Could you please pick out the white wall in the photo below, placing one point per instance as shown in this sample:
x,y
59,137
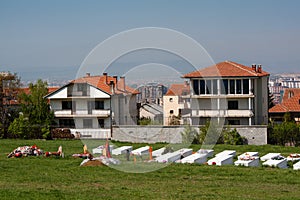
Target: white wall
x,y
63,93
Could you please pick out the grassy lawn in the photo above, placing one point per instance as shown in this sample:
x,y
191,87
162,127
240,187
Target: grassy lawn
x,y
63,178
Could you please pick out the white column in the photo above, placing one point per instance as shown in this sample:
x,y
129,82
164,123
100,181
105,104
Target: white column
x,y
249,100
250,108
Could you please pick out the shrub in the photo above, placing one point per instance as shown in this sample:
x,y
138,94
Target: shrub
x,y
232,137
190,135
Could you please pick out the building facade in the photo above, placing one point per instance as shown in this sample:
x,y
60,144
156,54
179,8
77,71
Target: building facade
x,y
92,104
176,104
229,91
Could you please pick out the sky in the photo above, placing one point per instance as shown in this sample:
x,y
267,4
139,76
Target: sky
x,y
52,38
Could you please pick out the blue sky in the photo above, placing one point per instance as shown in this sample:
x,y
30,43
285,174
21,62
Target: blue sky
x,y
43,35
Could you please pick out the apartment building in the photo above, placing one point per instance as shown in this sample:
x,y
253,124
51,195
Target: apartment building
x,y
229,91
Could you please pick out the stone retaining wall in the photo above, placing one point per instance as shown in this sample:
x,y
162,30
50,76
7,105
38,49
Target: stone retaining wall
x,y
256,135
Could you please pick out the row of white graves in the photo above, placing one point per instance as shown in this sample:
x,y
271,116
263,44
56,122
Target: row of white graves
x,y
186,155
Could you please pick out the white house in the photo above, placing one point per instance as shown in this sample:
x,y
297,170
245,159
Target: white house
x,y
92,104
230,91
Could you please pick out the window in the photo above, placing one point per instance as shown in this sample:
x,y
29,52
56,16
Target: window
x,y
171,112
215,86
68,123
99,105
231,87
66,105
202,87
87,123
208,86
224,87
101,123
170,99
238,86
233,105
233,122
82,87
245,86
196,87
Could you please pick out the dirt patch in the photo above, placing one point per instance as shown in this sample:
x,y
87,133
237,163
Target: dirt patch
x,y
93,163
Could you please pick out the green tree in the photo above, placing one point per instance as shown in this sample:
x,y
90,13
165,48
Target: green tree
x,y
232,137
36,110
19,128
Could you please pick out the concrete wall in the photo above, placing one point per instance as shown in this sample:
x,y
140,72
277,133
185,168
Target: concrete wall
x,y
256,135
147,134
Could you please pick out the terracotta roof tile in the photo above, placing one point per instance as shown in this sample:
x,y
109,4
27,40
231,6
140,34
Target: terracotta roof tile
x,y
226,69
290,102
103,83
178,90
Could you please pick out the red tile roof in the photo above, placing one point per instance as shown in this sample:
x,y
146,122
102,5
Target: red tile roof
x,y
290,102
226,69
103,83
26,91
178,89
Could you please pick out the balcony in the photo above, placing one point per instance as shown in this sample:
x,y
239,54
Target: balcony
x,y
222,96
222,113
82,113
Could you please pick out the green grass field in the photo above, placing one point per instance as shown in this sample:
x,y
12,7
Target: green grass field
x,y
63,178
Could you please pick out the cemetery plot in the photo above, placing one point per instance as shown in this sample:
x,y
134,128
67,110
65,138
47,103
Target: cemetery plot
x,y
269,156
296,166
99,149
122,150
226,152
141,151
293,157
168,157
207,152
174,156
247,154
195,158
158,152
278,161
221,160
248,159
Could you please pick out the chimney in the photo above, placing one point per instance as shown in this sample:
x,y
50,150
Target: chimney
x,y
259,68
254,67
121,83
116,79
105,76
112,87
88,74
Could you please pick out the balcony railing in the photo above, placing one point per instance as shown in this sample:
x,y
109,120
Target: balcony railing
x,y
82,113
222,113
